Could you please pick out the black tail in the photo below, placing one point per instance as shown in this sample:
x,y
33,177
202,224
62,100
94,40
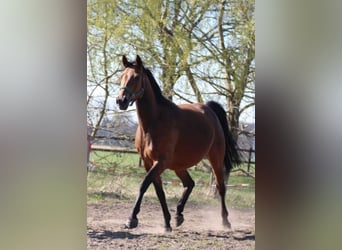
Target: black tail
x,y
231,156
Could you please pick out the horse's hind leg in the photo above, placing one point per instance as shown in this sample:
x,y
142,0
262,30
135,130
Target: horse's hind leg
x,y
161,196
188,185
220,185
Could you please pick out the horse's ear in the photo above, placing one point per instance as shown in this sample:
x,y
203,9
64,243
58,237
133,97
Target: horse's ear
x,y
125,61
138,62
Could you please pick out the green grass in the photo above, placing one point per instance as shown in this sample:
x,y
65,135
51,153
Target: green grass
x,y
118,176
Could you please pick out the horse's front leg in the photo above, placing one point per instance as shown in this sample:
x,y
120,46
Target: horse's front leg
x,y
154,172
161,196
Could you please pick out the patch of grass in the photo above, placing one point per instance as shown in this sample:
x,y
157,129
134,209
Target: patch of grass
x,y
241,197
115,161
118,177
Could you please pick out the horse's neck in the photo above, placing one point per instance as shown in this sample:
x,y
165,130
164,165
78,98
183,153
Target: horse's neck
x,y
147,108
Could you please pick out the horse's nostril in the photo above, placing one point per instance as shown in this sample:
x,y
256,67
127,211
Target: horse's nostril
x,y
122,101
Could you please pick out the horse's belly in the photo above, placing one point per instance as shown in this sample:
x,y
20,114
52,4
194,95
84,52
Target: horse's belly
x,y
188,155
184,163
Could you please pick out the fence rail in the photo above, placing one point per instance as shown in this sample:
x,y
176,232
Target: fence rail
x,y
108,148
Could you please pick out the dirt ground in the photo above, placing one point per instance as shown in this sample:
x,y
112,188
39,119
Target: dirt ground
x,y
201,229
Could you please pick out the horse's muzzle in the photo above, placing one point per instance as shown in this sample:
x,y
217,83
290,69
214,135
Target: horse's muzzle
x,y
123,102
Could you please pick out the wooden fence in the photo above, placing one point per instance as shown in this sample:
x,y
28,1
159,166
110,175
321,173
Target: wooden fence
x,y
212,190
109,148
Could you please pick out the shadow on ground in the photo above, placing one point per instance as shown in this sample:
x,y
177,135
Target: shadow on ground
x,y
113,235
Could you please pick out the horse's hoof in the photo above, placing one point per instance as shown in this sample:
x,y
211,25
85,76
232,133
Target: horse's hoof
x,y
131,223
168,229
179,219
227,224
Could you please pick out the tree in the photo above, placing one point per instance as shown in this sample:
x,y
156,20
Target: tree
x,y
102,29
204,46
162,30
228,44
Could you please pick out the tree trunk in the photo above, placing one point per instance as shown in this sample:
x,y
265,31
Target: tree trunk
x,y
233,117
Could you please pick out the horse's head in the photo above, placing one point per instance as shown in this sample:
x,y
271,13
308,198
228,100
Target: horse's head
x,y
131,86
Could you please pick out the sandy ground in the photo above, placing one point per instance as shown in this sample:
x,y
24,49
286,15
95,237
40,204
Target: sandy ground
x,y
201,229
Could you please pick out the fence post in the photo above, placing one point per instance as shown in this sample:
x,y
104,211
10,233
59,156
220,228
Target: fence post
x,y
249,159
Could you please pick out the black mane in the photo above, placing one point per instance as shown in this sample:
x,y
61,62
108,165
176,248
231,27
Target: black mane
x,y
156,89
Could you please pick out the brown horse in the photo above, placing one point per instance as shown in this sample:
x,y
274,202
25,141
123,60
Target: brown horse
x,y
175,137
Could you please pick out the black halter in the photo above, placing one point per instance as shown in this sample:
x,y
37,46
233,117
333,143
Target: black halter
x,y
133,96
